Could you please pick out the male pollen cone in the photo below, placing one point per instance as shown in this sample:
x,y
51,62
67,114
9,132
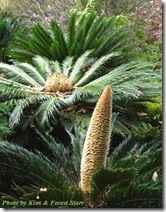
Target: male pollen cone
x,y
97,140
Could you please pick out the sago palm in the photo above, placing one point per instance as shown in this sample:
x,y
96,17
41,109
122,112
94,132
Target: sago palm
x,y
85,33
70,89
131,182
9,26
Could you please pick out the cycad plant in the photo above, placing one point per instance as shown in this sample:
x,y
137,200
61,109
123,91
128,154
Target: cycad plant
x,y
50,91
9,26
30,179
84,33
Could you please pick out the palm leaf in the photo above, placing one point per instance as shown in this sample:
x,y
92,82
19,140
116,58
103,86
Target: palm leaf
x,y
122,150
128,81
60,41
98,29
137,196
41,41
67,66
18,74
43,66
76,73
95,70
111,177
91,32
21,105
33,72
42,170
61,156
48,110
14,84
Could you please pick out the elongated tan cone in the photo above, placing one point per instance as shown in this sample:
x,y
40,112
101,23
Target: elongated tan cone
x,y
97,140
58,82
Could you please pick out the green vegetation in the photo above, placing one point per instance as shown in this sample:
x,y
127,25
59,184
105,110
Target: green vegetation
x,y
53,70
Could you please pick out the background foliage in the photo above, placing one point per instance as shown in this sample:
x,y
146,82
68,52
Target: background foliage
x,y
42,132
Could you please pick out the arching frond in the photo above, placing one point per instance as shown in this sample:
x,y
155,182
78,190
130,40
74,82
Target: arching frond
x,y
139,175
59,47
37,166
105,178
22,104
43,66
48,110
13,83
99,29
33,72
60,155
137,196
41,41
129,80
95,70
85,33
71,31
76,72
18,74
67,66
122,150
56,66
11,93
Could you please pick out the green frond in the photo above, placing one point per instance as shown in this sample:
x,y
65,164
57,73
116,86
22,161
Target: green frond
x,y
154,162
12,83
37,166
84,96
59,46
55,50
142,132
85,33
17,74
41,33
56,66
135,189
41,41
22,53
61,157
32,72
137,196
48,110
145,164
105,178
122,150
13,94
95,70
9,27
77,132
71,31
121,128
101,26
129,81
43,66
76,72
113,42
67,65
21,105
38,48
84,26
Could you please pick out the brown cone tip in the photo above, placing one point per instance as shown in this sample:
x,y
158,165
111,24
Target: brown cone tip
x,y
107,90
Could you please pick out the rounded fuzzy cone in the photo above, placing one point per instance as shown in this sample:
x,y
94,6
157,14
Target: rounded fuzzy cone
x,y
58,82
97,140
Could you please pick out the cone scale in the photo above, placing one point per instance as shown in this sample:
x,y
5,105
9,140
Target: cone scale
x,y
58,82
97,140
